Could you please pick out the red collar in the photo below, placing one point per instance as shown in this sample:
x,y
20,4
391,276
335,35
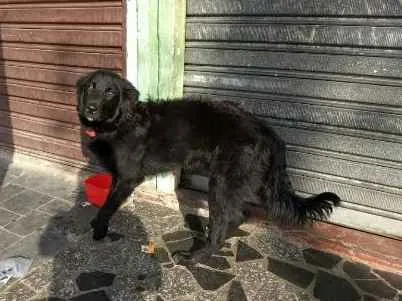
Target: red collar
x,y
90,133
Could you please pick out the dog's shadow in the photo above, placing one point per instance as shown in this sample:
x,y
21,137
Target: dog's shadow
x,y
114,269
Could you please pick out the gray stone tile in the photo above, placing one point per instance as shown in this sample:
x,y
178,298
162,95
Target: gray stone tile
x,y
9,190
329,287
177,282
54,184
321,259
29,223
57,207
294,274
26,201
7,217
7,238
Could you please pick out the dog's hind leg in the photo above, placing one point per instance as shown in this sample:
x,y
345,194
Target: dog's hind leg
x,y
225,216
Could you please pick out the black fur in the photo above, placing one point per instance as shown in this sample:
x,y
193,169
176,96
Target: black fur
x,y
244,158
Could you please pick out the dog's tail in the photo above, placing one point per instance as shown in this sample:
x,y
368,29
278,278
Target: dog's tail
x,y
318,207
292,208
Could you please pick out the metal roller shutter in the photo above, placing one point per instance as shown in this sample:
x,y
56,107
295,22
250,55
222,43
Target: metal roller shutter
x,y
327,75
45,46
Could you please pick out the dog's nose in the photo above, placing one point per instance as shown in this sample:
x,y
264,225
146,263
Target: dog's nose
x,y
91,109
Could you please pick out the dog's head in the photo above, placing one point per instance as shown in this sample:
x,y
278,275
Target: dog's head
x,y
103,96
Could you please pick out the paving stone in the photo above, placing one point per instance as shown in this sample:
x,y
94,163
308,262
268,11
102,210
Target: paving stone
x,y
9,190
273,244
321,259
57,207
17,292
26,201
216,262
49,299
94,280
236,292
7,239
377,287
226,253
93,296
369,298
184,245
358,270
196,223
162,255
176,282
332,288
7,217
177,235
296,275
29,223
245,252
159,298
239,233
393,279
210,279
400,297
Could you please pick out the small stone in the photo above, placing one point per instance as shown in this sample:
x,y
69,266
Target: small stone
x,y
321,259
216,262
168,266
210,279
94,280
369,298
291,273
358,270
332,288
377,287
236,292
393,279
246,253
140,289
114,236
93,296
162,255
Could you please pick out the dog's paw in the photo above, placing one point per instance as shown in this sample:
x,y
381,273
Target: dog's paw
x,y
99,229
183,258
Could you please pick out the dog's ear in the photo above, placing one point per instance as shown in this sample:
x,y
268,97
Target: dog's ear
x,y
80,87
128,90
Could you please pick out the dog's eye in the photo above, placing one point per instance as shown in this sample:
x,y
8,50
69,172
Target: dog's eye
x,y
109,92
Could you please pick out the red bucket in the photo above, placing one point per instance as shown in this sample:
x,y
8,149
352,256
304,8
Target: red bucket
x,y
97,189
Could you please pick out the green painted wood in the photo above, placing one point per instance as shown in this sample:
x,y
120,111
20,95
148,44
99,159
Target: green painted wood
x,y
171,27
161,38
147,48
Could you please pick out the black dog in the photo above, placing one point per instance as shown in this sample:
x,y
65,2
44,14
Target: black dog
x,y
245,160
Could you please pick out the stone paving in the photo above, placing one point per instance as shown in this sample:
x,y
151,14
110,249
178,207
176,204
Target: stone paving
x,y
41,218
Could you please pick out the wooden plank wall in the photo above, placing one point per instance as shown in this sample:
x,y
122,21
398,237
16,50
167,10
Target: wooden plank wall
x,y
45,46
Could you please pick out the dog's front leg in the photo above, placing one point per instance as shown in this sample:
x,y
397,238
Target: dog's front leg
x,y
120,192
